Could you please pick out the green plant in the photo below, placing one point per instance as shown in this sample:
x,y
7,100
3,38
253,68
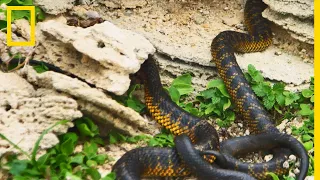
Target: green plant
x,y
163,139
20,14
272,95
62,161
180,87
129,100
41,68
116,137
214,101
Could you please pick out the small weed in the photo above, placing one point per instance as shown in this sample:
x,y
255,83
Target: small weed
x,y
20,14
61,161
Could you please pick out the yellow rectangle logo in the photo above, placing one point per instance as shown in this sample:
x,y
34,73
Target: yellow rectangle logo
x,y
32,41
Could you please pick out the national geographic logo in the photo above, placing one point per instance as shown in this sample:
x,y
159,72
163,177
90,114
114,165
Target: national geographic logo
x,y
32,25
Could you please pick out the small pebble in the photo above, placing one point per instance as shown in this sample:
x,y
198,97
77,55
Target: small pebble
x,y
3,6
206,12
226,8
289,131
2,16
13,28
296,171
309,178
278,53
240,125
198,19
292,158
291,174
247,132
5,57
240,26
286,164
267,158
128,12
92,14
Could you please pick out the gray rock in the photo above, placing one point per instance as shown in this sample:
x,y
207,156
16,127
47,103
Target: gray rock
x,y
92,102
25,113
110,53
54,7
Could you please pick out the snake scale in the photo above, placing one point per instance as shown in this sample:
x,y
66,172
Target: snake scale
x,y
151,161
198,150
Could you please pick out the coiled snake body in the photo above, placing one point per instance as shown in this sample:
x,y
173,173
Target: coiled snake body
x,y
184,159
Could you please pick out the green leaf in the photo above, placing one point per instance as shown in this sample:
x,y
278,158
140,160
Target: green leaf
x,y
5,1
218,83
183,84
3,24
280,98
67,147
95,175
208,93
290,97
259,90
40,15
25,2
268,101
226,105
306,137
153,143
115,137
174,94
91,163
40,68
209,109
135,104
84,130
307,93
256,75
312,99
37,144
305,110
20,14
90,149
18,166
87,127
78,159
110,176
273,175
101,158
308,145
278,87
215,100
64,167
43,159
70,176
61,158
70,135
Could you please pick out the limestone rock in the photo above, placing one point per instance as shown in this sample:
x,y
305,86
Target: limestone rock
x,y
296,16
109,54
133,3
301,8
54,7
123,3
300,29
25,113
185,47
91,101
